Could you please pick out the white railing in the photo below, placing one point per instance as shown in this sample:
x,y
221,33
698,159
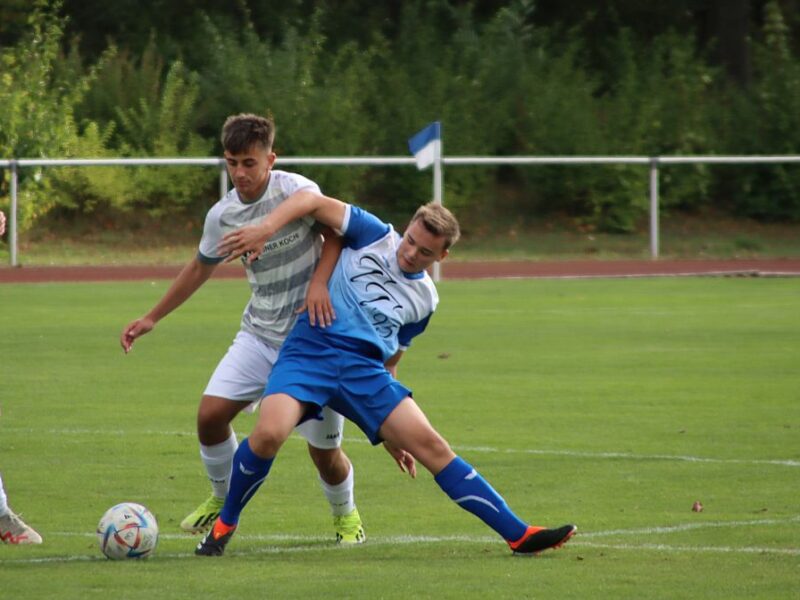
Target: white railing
x,y
15,164
438,186
652,161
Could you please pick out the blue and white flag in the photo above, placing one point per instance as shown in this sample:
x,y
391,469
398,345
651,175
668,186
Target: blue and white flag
x,y
426,145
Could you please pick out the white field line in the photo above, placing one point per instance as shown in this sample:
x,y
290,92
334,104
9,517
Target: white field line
x,y
781,462
690,527
321,544
630,455
697,549
722,273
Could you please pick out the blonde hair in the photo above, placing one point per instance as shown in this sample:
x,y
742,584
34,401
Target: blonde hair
x,y
439,221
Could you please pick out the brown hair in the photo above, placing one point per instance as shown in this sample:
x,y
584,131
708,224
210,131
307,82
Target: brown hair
x,y
242,132
439,221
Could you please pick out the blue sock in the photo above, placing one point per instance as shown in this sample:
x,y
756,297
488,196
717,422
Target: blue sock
x,y
248,473
471,492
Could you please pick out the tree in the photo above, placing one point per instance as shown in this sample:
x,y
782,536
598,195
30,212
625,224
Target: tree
x,y
37,118
729,28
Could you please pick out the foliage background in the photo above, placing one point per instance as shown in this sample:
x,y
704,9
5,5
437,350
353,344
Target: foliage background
x,y
92,79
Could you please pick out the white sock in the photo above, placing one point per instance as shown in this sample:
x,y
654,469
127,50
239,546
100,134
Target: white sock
x,y
340,495
3,499
217,460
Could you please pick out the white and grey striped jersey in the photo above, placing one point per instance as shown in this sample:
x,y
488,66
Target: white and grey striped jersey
x,y
279,278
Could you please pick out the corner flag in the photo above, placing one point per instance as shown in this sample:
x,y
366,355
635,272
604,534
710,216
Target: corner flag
x,y
426,145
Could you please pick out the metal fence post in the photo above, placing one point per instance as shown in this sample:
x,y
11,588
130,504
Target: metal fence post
x,y
12,218
654,207
223,180
437,197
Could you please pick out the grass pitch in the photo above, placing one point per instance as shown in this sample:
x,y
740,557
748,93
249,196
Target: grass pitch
x,y
614,404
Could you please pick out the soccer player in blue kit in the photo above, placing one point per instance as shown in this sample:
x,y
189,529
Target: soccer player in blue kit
x,y
383,297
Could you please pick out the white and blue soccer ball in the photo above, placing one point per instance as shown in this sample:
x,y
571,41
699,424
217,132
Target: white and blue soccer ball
x,y
127,530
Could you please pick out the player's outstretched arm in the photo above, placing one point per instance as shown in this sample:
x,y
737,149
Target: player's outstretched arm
x,y
250,239
187,282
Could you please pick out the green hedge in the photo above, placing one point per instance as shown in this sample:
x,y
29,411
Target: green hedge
x,y
501,86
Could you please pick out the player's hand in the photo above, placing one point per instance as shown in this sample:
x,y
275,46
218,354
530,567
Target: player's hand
x,y
248,241
134,330
403,459
318,304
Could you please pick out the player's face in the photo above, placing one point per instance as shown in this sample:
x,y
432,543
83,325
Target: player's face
x,y
249,171
419,248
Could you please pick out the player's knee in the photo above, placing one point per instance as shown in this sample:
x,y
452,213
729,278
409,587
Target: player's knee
x,y
211,429
266,441
207,417
433,450
215,410
439,445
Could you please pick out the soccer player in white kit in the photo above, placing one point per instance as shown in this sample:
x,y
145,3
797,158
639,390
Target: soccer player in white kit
x,y
13,530
291,274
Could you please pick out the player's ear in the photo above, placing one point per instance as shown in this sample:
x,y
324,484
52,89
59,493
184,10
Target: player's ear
x,y
271,159
445,254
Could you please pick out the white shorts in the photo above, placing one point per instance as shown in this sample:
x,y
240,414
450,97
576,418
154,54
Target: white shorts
x,y
242,374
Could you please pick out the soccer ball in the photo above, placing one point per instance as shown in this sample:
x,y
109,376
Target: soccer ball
x,y
127,530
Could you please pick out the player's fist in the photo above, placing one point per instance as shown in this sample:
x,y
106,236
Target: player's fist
x,y
134,330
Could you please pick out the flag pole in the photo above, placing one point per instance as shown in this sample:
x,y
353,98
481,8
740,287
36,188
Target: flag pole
x,y
426,146
438,192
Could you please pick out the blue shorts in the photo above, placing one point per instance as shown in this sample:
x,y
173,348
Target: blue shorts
x,y
349,378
